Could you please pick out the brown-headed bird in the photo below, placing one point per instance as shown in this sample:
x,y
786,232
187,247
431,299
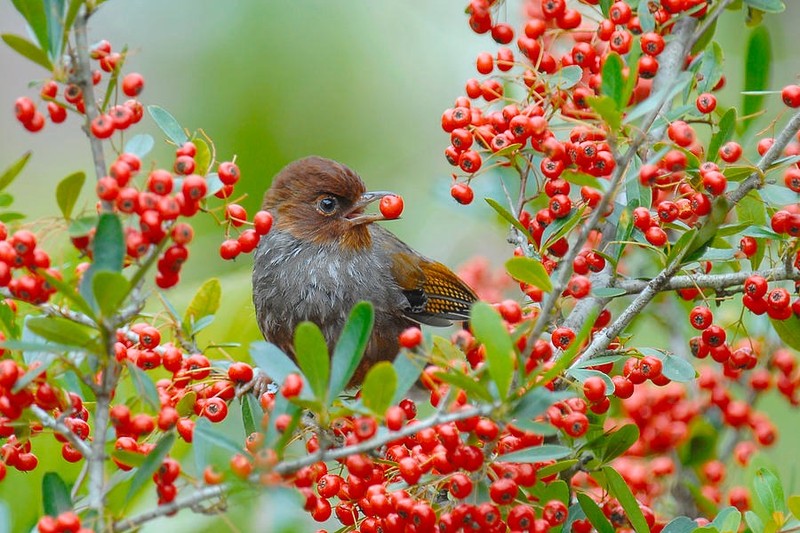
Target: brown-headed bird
x,y
324,254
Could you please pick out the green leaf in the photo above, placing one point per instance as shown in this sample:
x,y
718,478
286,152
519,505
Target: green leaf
x,y
488,328
55,495
408,370
707,232
727,520
727,125
607,108
529,271
168,124
646,19
10,174
788,330
140,145
466,383
681,524
608,292
69,19
69,293
535,454
701,445
710,68
676,368
350,347
620,490
620,441
753,521
67,192
34,15
54,11
567,77
769,491
536,401
378,389
111,289
560,227
60,330
511,219
205,302
28,50
767,6
144,385
152,463
794,505
202,158
249,407
581,179
758,62
185,405
109,251
204,430
613,83
312,356
594,514
556,468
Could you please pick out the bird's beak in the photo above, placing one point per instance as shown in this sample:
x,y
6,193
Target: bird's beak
x,y
356,216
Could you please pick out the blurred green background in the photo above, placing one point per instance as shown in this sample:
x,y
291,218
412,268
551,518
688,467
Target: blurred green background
x,y
363,82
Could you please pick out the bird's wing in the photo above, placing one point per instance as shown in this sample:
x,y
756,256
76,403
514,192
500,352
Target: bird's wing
x,y
435,294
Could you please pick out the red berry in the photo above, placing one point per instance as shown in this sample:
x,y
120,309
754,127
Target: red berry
x,y
262,222
594,388
410,337
791,95
706,103
292,386
230,249
462,193
132,84
236,214
228,173
102,127
391,206
24,109
701,317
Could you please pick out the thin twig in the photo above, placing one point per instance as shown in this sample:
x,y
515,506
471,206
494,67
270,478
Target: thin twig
x,y
61,428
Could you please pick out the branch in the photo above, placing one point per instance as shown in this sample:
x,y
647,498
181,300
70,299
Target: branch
x,y
201,495
58,426
711,281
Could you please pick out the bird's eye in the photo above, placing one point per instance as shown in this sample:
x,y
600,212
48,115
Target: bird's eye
x,y
327,205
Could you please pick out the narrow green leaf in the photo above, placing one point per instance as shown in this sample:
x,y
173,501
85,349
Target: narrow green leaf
x,y
556,468
54,12
753,521
613,84
111,289
185,405
312,356
488,327
55,495
378,389
408,370
69,293
10,174
69,19
34,15
32,373
707,232
767,6
67,192
581,179
28,50
727,125
535,454
60,330
204,430
140,145
466,383
594,514
529,271
758,63
151,464
710,68
646,19
608,292
560,227
620,441
249,409
620,490
676,368
144,385
511,219
276,364
769,491
788,330
109,250
350,347
205,302
168,124
536,401
632,60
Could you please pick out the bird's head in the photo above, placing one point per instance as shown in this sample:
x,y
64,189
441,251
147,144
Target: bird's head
x,y
319,200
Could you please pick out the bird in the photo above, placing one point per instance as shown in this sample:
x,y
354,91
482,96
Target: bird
x,y
325,253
